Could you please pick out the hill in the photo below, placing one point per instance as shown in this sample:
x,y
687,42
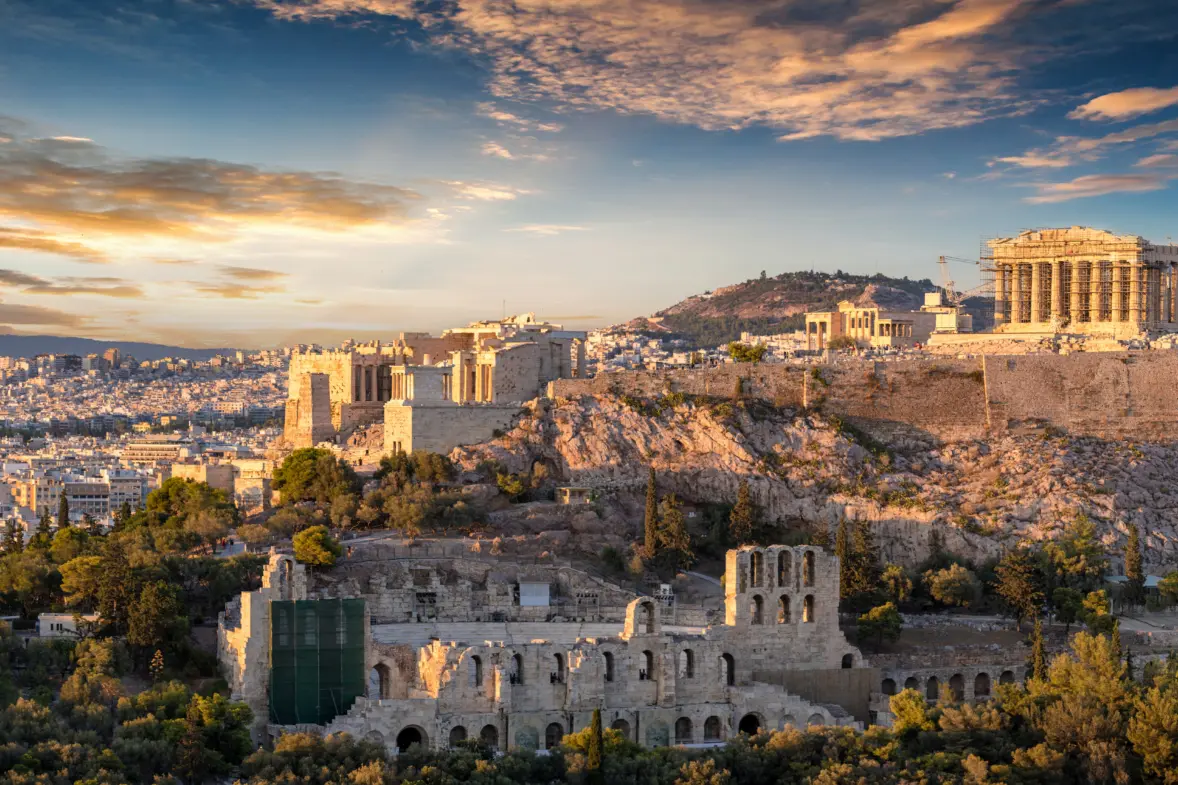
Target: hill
x,y
32,345
778,303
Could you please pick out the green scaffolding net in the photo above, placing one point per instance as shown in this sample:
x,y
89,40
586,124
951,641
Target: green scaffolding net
x,y
316,659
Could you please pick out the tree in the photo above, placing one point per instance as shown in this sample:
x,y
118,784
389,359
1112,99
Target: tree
x,y
316,547
43,537
910,712
842,549
1068,604
896,583
14,538
63,511
954,585
157,617
1153,732
117,587
1079,555
743,520
650,521
511,485
596,748
1097,613
1168,586
1038,663
157,665
865,560
881,623
91,525
314,474
1134,573
68,543
1018,585
673,538
744,353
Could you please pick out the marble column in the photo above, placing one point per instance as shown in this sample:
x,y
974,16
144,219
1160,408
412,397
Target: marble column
x,y
1000,273
1135,294
1075,294
1016,294
1094,292
1057,288
1036,289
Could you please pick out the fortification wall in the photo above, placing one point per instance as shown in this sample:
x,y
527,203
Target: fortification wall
x,y
781,384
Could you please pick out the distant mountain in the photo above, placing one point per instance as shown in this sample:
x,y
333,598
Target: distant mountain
x,y
778,304
31,345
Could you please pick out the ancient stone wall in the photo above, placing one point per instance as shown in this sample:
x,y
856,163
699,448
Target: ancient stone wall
x,y
779,383
442,428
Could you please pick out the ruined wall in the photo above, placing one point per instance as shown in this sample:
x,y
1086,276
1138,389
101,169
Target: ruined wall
x,y
442,428
308,411
850,688
779,383
515,374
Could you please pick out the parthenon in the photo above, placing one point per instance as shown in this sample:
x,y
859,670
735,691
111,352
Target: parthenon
x,y
1084,280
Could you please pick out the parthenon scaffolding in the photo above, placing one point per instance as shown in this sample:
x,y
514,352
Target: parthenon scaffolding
x,y
1084,280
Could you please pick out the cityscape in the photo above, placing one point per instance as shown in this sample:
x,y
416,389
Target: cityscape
x,y
669,393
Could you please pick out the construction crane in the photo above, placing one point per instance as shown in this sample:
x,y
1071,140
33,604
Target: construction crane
x,y
952,296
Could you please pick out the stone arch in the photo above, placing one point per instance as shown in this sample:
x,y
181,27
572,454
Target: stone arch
x,y
888,687
558,664
410,736
808,569
932,689
713,729
957,687
517,669
489,736
783,614
657,735
374,736
647,671
785,561
687,664
728,669
527,738
848,661
1006,677
816,719
912,683
750,724
789,721
757,610
552,735
457,735
380,680
683,731
757,568
808,609
648,616
609,665
476,671
622,726
981,685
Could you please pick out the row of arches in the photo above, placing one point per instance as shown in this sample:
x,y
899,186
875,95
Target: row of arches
x,y
932,687
489,736
784,611
784,568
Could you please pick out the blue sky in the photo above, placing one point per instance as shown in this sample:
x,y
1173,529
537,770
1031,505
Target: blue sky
x,y
252,172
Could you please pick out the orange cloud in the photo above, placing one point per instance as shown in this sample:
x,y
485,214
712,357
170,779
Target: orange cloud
x,y
1096,185
1126,103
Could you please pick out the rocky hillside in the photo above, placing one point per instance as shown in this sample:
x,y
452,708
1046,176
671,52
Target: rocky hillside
x,y
777,304
983,495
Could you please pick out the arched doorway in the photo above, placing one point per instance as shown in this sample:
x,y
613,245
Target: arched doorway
x,y
683,730
457,735
379,679
911,683
957,687
623,727
932,690
784,559
489,736
888,687
713,729
408,737
808,609
816,720
728,667
552,736
1007,677
848,661
756,610
749,724
783,615
981,685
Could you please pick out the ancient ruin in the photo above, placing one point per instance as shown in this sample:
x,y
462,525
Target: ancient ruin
x,y
430,393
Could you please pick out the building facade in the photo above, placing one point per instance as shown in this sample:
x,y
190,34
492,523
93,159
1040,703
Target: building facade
x,y
868,326
1084,280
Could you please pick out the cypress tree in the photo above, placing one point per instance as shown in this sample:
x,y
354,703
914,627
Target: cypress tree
x,y
63,511
43,538
650,526
866,574
1117,639
742,521
14,541
842,549
1135,585
596,751
1038,653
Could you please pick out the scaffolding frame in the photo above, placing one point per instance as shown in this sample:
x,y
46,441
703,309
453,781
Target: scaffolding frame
x,y
316,659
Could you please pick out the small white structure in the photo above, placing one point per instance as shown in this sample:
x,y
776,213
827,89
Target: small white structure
x,y
533,595
64,625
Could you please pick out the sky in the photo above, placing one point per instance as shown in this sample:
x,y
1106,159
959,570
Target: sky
x,y
262,172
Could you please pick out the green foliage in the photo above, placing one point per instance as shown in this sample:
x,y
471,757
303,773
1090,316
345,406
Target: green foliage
x,y
896,583
1018,584
650,519
1134,572
511,485
1168,586
840,342
953,585
744,353
1038,663
314,474
911,712
881,623
399,469
315,547
744,522
1096,613
1068,605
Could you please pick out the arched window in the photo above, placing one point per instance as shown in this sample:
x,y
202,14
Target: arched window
x,y
686,664
648,617
758,568
378,682
848,661
981,685
552,736
728,669
609,666
789,721
750,724
816,719
457,735
784,565
783,615
558,664
476,671
623,726
911,683
808,609
808,569
932,690
1007,677
408,737
713,729
888,687
957,687
489,736
756,609
646,672
517,669
683,730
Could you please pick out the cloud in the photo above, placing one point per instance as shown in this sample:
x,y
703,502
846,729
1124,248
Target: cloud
x,y
510,120
251,273
104,286
483,191
866,70
1066,150
1035,159
35,314
499,151
234,291
1159,161
1096,185
1126,103
17,278
547,230
44,242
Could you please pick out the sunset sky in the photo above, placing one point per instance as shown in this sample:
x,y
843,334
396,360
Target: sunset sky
x,y
256,172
